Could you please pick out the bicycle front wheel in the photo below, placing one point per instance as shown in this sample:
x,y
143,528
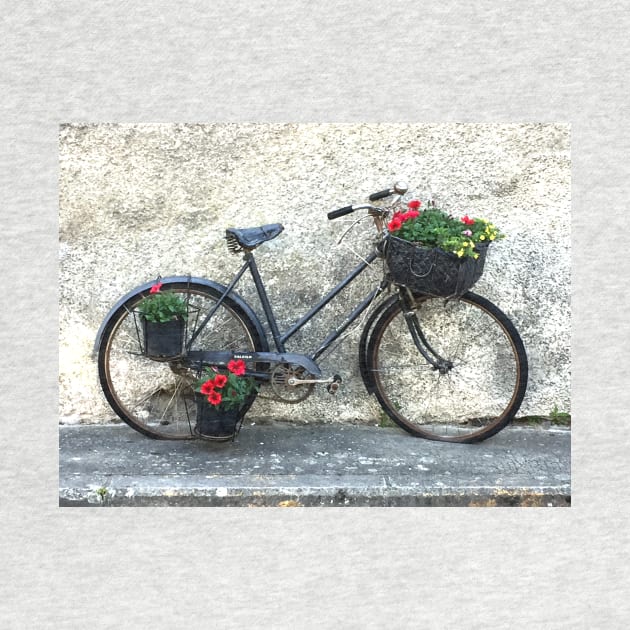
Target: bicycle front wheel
x,y
483,386
156,397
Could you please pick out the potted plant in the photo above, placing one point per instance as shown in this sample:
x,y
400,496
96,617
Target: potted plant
x,y
221,397
433,252
163,315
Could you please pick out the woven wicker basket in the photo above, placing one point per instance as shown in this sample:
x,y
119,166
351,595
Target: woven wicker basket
x,y
432,270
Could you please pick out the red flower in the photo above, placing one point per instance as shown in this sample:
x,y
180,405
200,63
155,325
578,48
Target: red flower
x,y
207,387
467,221
237,367
412,214
220,380
156,287
395,224
214,398
414,204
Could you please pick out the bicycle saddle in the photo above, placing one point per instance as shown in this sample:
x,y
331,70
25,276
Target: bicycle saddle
x,y
249,238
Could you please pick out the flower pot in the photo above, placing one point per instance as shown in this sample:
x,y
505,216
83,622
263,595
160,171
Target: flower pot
x,y
432,270
163,340
216,424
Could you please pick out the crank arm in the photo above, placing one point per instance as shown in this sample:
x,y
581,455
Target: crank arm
x,y
332,382
309,381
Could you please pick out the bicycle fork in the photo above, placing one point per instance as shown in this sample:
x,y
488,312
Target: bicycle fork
x,y
419,339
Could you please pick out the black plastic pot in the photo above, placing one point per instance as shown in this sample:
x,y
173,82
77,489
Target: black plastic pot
x,y
163,339
216,424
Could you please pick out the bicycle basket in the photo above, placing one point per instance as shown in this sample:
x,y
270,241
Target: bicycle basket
x,y
432,270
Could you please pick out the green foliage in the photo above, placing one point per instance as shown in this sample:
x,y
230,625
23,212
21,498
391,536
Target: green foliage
x,y
227,390
560,417
102,494
434,228
385,420
555,417
163,307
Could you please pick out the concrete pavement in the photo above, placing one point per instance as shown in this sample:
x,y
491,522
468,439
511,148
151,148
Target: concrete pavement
x,y
313,465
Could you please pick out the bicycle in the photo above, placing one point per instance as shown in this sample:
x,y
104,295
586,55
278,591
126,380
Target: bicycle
x,y
453,370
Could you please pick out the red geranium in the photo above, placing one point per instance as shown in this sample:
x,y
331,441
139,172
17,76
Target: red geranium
x,y
226,391
467,221
414,204
156,287
237,367
214,398
207,387
220,380
395,224
400,217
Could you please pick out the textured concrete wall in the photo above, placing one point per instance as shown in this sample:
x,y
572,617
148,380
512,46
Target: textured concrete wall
x,y
136,201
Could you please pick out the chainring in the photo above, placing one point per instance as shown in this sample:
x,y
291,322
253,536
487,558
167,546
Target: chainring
x,y
290,393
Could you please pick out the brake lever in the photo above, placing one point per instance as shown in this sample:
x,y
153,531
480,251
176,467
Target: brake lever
x,y
365,216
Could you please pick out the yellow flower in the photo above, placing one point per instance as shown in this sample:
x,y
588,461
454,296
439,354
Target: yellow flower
x,y
475,256
492,237
460,253
482,237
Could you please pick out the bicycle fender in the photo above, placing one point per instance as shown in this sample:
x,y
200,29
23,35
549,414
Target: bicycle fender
x,y
366,375
239,301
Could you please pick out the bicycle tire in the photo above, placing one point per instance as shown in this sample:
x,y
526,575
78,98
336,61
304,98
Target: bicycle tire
x,y
156,398
472,401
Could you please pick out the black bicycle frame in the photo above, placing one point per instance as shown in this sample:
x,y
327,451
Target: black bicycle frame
x,y
281,338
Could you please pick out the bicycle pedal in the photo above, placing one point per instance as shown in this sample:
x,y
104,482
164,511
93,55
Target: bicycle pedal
x,y
334,386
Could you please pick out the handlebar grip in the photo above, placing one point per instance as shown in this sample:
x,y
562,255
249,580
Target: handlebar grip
x,y
381,195
335,214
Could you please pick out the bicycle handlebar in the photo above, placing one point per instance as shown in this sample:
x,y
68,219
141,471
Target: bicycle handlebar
x,y
335,214
381,195
399,188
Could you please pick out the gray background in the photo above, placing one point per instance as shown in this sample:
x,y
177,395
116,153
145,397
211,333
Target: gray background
x,y
327,62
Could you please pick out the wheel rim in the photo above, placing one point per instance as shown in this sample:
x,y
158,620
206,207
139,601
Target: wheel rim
x,y
156,397
470,401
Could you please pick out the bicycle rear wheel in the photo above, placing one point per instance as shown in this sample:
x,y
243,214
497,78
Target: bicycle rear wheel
x,y
156,397
470,401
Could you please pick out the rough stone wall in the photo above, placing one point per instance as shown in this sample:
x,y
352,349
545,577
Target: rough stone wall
x,y
136,201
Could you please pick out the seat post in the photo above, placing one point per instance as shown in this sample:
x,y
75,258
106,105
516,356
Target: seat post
x,y
264,300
